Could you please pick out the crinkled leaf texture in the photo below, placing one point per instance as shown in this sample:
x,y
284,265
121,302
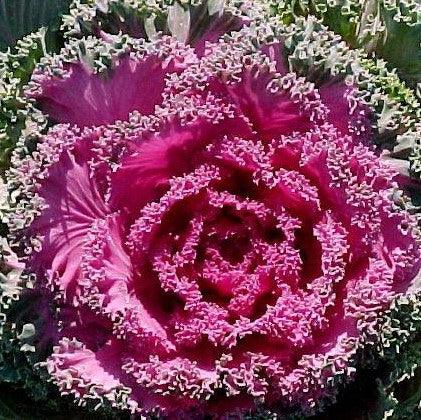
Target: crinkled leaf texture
x,y
379,28
390,29
206,228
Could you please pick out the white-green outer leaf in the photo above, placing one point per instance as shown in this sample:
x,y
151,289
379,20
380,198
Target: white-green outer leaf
x,y
179,21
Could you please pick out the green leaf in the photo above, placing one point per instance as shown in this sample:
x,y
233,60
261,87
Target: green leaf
x,y
402,49
390,29
21,17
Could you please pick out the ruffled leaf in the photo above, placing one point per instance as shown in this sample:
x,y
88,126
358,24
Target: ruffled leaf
x,y
389,28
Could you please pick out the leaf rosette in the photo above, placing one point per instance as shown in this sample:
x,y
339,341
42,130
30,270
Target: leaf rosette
x,y
207,230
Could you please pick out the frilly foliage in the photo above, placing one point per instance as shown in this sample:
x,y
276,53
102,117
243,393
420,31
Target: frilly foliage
x,y
313,50
142,18
23,380
377,26
17,116
400,350
390,28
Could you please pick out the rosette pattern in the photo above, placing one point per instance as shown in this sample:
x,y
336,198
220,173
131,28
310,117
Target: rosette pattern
x,y
210,232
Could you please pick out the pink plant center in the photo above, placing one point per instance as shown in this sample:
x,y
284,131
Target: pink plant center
x,y
230,245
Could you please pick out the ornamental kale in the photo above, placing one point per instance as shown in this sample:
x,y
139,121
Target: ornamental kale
x,y
198,219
